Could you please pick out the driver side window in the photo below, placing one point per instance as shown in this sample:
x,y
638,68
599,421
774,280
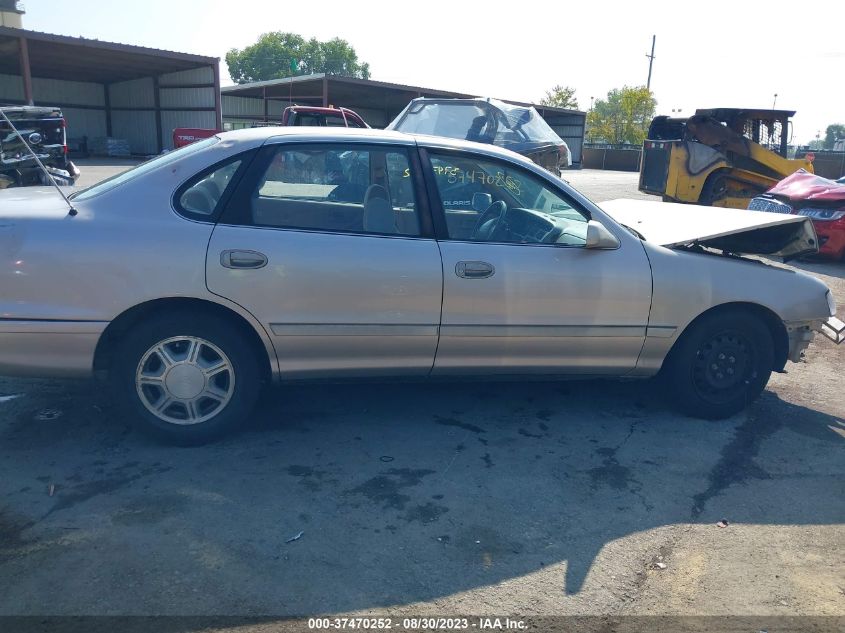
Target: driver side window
x,y
486,200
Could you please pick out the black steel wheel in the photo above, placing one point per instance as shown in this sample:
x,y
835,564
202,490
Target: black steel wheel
x,y
720,364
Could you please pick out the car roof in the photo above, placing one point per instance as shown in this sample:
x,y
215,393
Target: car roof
x,y
292,134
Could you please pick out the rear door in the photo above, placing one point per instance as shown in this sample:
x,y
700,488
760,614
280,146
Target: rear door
x,y
328,246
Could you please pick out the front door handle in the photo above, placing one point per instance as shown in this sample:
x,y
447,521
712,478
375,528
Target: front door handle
x,y
474,270
242,259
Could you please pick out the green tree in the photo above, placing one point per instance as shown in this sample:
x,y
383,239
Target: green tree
x,y
561,97
834,132
276,55
623,117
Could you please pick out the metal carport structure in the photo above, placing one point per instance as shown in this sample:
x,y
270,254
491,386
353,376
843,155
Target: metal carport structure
x,y
109,89
377,101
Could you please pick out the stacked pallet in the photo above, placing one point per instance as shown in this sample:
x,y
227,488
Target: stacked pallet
x,y
108,146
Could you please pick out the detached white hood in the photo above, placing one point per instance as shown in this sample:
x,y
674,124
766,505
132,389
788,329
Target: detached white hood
x,y
733,230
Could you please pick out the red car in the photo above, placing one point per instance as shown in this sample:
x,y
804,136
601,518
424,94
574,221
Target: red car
x,y
186,135
293,115
818,198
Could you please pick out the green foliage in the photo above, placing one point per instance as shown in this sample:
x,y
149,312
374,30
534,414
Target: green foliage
x,y
834,132
561,97
623,117
276,55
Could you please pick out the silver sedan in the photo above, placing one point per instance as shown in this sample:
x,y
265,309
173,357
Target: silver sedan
x,y
271,254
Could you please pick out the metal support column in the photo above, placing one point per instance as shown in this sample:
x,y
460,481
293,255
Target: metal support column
x,y
157,104
266,104
107,105
218,107
26,72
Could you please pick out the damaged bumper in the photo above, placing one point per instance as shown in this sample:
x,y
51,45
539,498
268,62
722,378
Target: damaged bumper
x,y
801,335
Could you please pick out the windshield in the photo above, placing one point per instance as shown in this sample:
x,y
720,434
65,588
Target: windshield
x,y
143,168
484,121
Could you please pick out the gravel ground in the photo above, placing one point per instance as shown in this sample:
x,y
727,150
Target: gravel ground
x,y
483,498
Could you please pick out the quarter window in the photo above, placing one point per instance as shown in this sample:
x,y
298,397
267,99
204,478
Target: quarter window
x,y
335,188
201,196
492,201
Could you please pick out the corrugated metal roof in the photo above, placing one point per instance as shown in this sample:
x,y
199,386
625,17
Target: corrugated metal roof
x,y
314,82
82,59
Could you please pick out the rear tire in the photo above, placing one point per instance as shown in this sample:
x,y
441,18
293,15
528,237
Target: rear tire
x,y
186,379
720,365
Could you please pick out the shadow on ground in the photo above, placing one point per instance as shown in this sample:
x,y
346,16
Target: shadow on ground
x,y
398,493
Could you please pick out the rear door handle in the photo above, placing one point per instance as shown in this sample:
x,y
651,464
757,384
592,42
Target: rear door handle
x,y
474,270
242,259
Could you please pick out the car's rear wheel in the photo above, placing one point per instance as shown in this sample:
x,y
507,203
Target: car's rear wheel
x,y
186,379
721,364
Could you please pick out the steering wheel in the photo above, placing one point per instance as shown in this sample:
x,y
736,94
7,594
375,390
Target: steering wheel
x,y
489,221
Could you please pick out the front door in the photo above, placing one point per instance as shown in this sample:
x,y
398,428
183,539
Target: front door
x,y
521,292
324,244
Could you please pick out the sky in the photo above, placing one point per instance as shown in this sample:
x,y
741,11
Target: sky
x,y
714,54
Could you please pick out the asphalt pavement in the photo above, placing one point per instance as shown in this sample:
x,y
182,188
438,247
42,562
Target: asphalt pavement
x,y
537,498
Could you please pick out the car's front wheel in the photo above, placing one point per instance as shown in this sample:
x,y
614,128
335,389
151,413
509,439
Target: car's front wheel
x,y
721,364
186,380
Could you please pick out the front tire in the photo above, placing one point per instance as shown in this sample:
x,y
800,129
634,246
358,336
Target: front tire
x,y
186,379
720,365
715,188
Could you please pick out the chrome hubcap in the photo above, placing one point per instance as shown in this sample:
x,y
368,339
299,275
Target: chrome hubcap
x,y
185,380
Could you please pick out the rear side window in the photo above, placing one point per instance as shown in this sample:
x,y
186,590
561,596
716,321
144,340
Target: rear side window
x,y
335,188
200,197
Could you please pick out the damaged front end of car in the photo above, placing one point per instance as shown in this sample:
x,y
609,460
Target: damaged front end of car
x,y
734,233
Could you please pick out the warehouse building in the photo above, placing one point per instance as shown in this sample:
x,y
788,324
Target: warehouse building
x,y
108,90
245,105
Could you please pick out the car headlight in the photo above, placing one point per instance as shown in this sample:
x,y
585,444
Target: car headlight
x,y
822,214
831,303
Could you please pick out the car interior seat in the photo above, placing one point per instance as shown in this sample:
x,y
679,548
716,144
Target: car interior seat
x,y
379,216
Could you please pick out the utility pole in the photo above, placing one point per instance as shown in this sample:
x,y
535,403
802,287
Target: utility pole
x,y
774,103
650,62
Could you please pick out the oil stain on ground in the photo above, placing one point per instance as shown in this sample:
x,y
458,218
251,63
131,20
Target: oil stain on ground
x,y
310,478
458,423
736,460
426,513
611,472
386,488
116,479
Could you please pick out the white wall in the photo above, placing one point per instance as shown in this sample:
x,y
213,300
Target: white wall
x,y
134,93
62,91
243,107
186,98
11,88
139,126
136,124
80,121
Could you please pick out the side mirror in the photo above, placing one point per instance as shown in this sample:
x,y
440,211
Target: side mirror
x,y
599,237
481,201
